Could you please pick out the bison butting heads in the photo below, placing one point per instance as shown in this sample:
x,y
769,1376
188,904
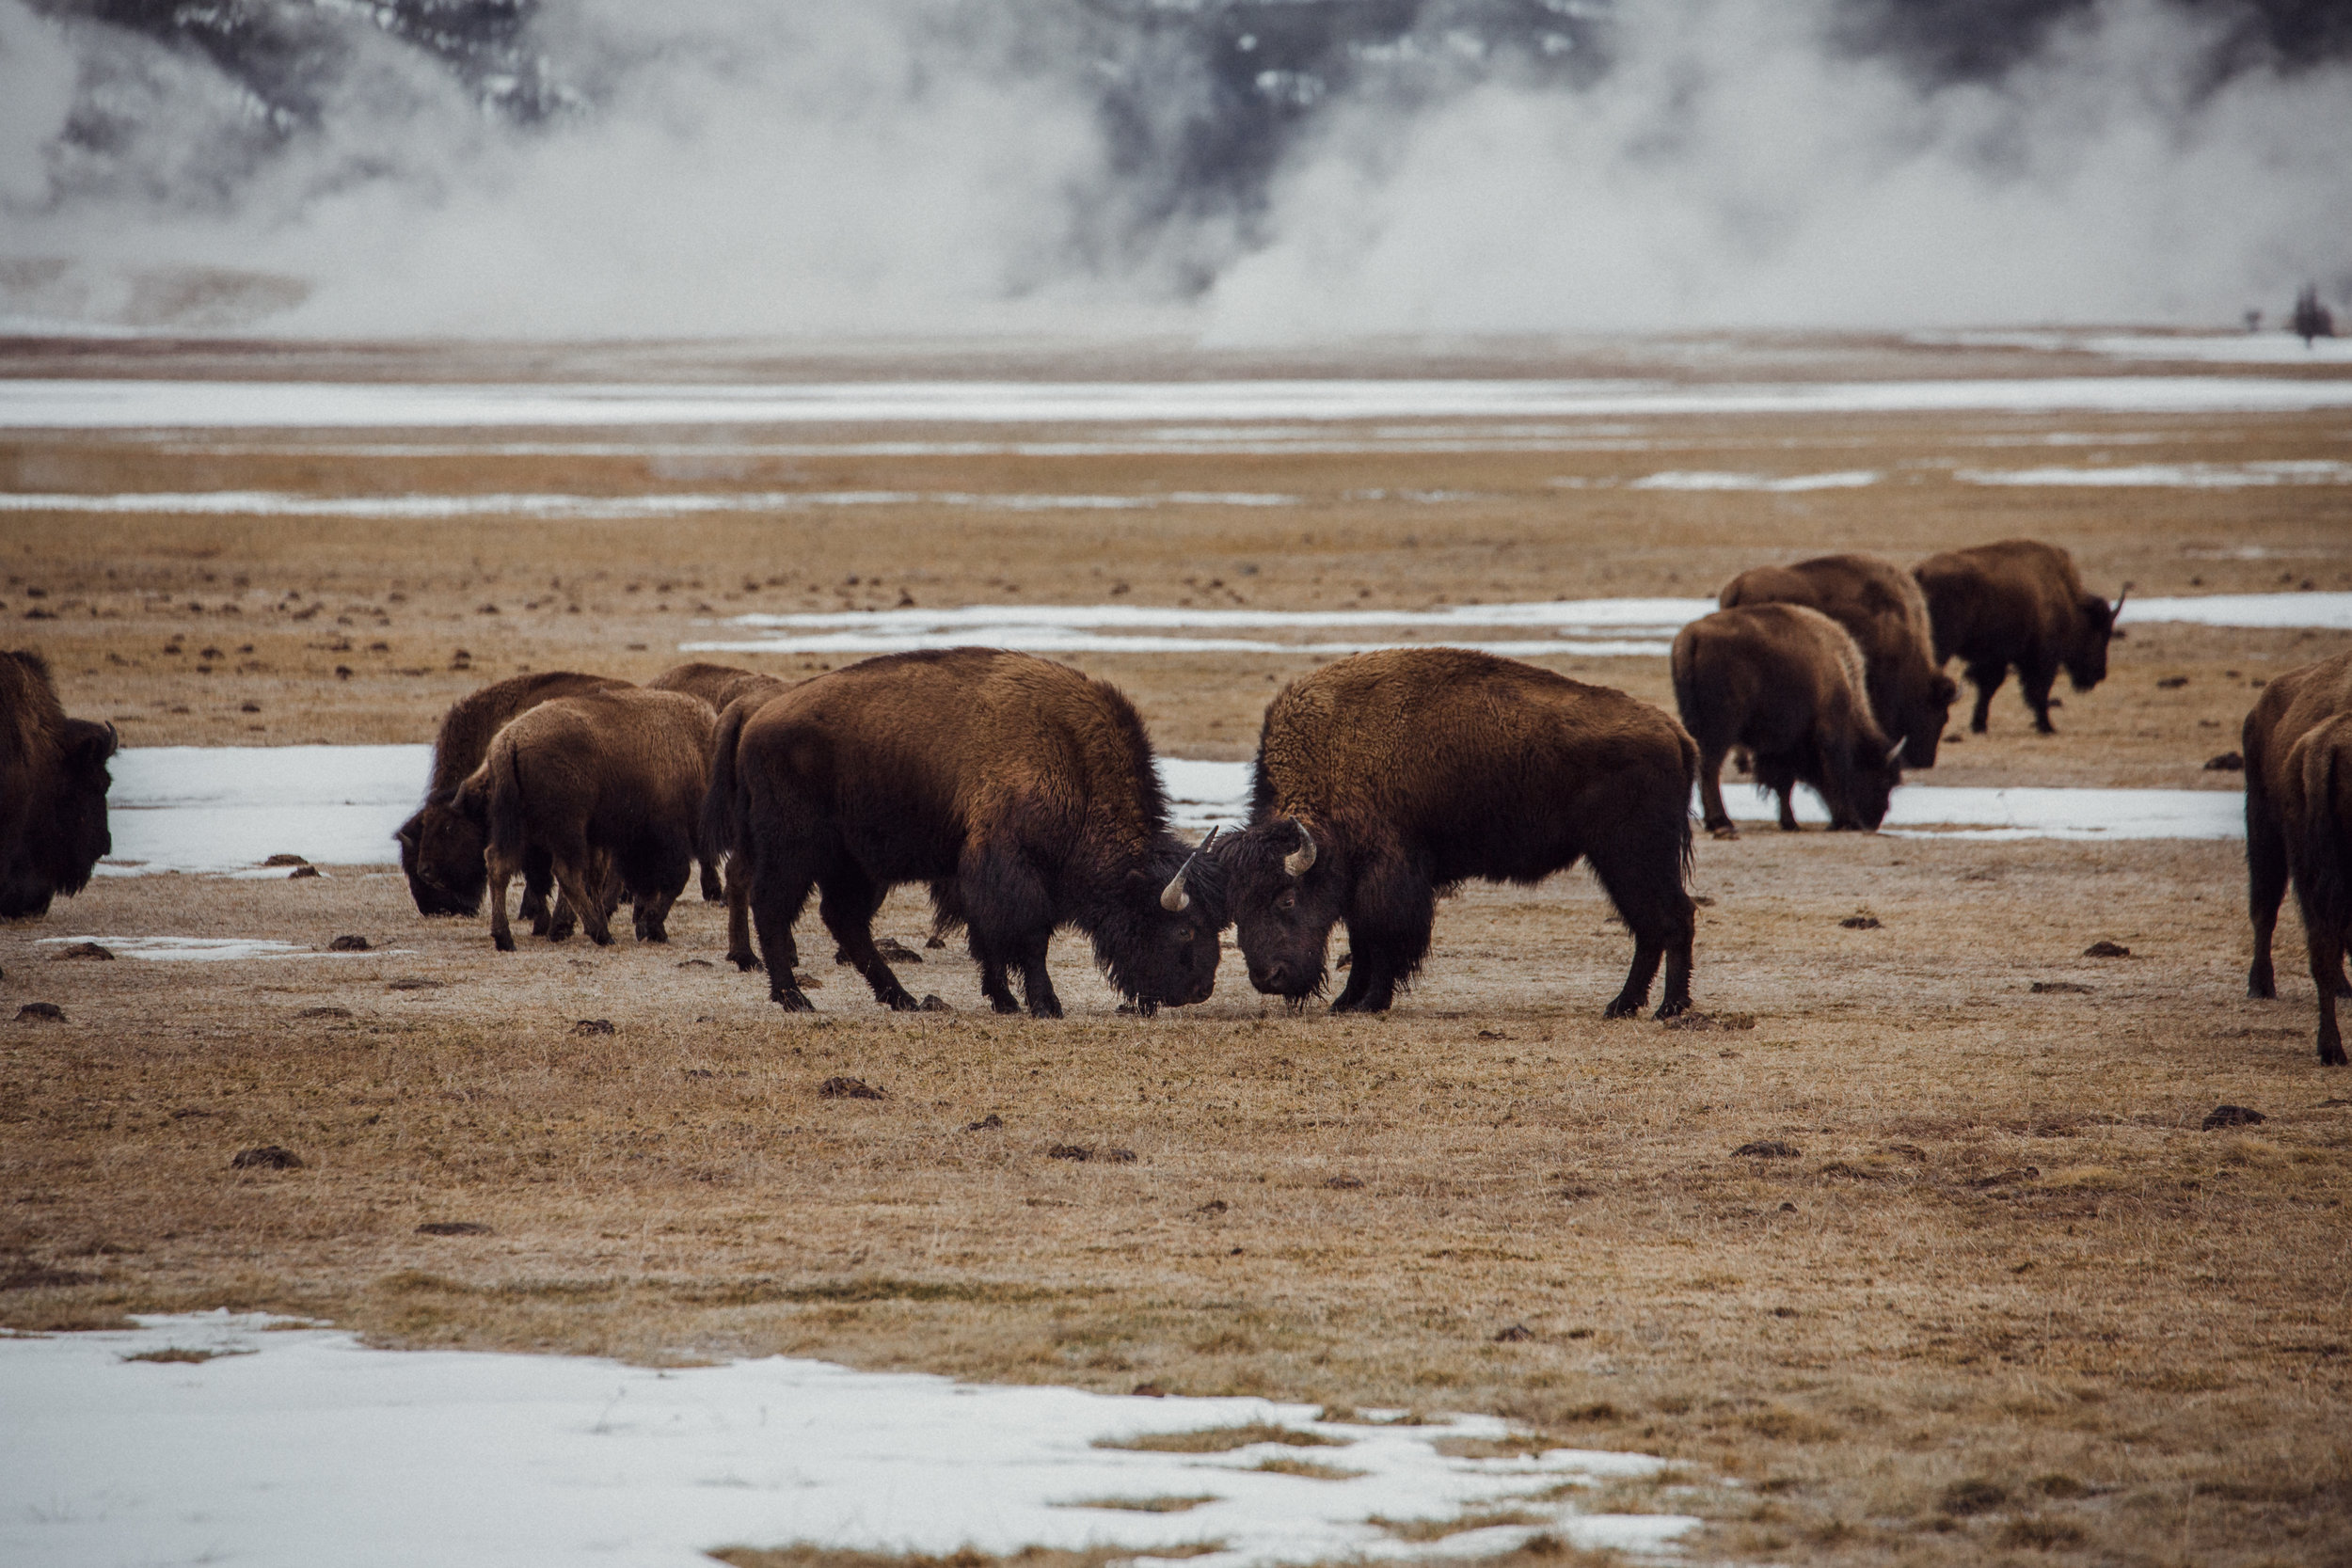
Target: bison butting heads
x,y
53,790
608,785
1786,683
2299,827
1389,777
1883,609
2017,604
1021,791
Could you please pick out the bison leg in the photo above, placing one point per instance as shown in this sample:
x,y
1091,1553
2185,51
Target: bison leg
x,y
778,887
994,969
501,872
537,879
653,908
1389,922
847,907
714,887
1717,818
738,889
2036,686
1642,873
2326,950
2266,886
1035,984
1987,679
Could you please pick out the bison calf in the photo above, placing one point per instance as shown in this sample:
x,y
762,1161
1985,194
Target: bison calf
x,y
1786,683
1389,777
2296,825
608,787
2018,603
53,790
1024,793
1883,610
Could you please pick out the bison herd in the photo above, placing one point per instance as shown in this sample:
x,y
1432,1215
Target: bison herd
x,y
1024,794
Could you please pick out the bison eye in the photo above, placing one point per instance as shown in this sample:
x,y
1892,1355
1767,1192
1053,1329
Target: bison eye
x,y
1286,902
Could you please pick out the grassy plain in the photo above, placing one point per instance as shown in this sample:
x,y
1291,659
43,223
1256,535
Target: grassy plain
x,y
2007,1299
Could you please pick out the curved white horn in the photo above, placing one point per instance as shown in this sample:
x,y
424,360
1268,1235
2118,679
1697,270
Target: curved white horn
x,y
1298,860
1173,898
1895,752
2117,613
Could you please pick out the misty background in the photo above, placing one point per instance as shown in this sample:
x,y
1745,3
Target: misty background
x,y
1242,172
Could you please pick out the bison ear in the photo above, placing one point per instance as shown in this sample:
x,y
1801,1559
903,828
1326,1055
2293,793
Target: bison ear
x,y
409,834
1947,690
88,746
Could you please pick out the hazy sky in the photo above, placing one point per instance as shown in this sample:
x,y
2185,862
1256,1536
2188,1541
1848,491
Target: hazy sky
x,y
914,167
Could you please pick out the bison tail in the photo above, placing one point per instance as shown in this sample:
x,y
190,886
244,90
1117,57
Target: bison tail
x,y
2321,884
719,804
507,819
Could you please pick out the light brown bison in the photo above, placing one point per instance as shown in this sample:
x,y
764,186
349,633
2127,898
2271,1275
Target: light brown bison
x,y
1881,605
1786,683
440,849
53,790
2299,827
608,785
1388,778
1024,793
2018,603
719,684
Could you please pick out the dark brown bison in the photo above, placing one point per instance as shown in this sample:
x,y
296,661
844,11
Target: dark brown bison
x,y
2017,604
53,790
608,787
1386,779
1881,605
441,851
2299,824
1786,683
1021,791
719,684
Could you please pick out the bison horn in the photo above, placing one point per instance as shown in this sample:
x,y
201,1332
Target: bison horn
x,y
1893,753
1298,860
1173,898
2117,613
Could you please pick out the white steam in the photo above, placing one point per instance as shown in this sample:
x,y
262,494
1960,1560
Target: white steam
x,y
927,167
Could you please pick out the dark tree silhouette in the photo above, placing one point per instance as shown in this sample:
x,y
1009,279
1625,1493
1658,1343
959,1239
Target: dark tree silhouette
x,y
2311,319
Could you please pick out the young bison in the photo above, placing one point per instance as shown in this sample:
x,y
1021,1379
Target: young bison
x,y
1388,778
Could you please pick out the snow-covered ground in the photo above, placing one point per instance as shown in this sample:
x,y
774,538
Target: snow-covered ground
x,y
299,1446
96,404
225,810
2273,347
279,503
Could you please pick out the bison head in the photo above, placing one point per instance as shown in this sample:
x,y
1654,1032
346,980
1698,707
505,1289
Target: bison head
x,y
1158,945
440,849
1931,709
1287,887
2085,652
68,822
1860,790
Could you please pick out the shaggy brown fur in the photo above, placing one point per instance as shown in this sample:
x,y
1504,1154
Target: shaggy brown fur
x,y
440,850
1021,791
2020,604
2295,824
719,684
1410,770
1881,607
1788,684
53,790
609,786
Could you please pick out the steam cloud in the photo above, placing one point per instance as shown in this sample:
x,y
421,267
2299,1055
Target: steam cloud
x,y
926,166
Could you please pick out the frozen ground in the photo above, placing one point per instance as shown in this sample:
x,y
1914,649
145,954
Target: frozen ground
x,y
296,1445
97,404
2220,348
225,810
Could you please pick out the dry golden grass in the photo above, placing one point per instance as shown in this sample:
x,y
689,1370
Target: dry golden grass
x,y
2009,1299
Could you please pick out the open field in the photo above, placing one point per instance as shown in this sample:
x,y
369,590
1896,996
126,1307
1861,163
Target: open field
x,y
2006,1297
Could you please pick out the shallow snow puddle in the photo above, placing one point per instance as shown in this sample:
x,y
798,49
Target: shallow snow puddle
x,y
223,811
213,1438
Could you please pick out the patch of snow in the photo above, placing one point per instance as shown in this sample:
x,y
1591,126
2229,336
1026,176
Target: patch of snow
x,y
2272,611
2216,348
272,504
213,949
1851,479
2183,476
295,1444
92,405
227,808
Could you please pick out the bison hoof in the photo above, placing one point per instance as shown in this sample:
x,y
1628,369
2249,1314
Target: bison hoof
x,y
2331,1053
503,942
792,1000
1005,1005
743,961
1723,830
1624,1007
1673,1006
1048,1009
900,1003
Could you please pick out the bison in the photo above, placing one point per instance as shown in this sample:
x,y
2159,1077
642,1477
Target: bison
x,y
1881,607
1023,792
53,790
1788,683
2017,604
440,849
1388,778
2299,821
719,684
608,785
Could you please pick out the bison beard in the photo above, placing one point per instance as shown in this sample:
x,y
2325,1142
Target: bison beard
x,y
1386,779
53,790
2298,828
1023,793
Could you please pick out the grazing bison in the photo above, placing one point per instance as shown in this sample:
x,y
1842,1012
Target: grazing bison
x,y
53,790
2017,604
608,787
719,684
2297,826
1021,791
1388,778
1786,683
441,851
1881,605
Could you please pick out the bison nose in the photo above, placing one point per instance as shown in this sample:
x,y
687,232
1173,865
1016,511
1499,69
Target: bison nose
x,y
1269,977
